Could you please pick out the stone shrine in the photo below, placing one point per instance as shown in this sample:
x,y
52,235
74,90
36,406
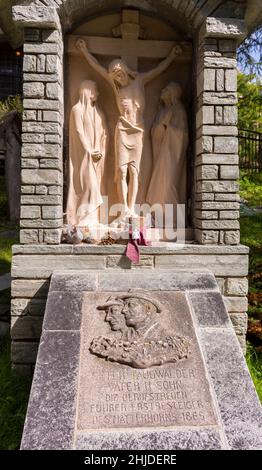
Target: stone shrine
x,y
130,105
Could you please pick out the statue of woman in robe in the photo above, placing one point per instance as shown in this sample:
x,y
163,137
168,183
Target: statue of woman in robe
x,y
169,141
87,149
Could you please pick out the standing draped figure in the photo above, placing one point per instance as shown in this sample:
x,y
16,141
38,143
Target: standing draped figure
x,y
169,141
87,149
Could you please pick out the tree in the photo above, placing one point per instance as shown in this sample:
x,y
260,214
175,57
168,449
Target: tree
x,y
249,53
249,102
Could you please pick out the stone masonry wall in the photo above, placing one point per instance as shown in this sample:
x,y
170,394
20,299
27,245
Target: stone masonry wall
x,y
33,266
216,204
42,179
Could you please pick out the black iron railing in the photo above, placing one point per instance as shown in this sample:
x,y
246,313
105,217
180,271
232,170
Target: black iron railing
x,y
250,150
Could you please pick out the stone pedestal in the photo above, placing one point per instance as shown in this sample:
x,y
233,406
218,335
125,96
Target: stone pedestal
x,y
204,399
34,265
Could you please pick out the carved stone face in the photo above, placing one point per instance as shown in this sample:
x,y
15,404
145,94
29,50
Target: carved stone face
x,y
94,93
120,76
135,312
166,95
115,318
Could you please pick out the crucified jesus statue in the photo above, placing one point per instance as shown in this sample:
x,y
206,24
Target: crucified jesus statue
x,y
129,90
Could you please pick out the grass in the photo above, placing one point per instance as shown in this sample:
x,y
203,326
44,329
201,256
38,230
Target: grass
x,y
5,241
251,188
251,235
14,393
254,362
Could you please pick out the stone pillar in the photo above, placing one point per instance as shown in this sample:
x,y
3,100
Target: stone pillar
x,y
216,205
42,129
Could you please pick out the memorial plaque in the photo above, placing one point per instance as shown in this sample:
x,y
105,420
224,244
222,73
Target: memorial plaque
x,y
141,372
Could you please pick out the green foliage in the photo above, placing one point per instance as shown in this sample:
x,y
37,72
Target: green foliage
x,y
254,362
14,392
9,104
251,188
249,54
6,242
249,102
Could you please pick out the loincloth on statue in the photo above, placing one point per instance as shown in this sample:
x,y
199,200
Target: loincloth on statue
x,y
128,144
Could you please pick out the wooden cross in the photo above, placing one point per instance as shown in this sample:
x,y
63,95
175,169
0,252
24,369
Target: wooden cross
x,y
128,46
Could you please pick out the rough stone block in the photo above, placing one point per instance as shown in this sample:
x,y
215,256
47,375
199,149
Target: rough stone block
x,y
207,237
52,237
40,189
206,215
29,63
27,189
231,80
219,130
41,63
236,304
26,327
42,127
41,177
40,77
220,265
219,115
220,62
232,237
35,16
229,214
51,116
217,158
39,223
53,163
29,163
29,236
52,63
217,224
231,28
29,115
50,35
43,150
230,115
21,307
219,98
33,138
29,288
55,190
220,80
52,91
24,353
236,286
44,48
34,90
204,145
42,198
125,263
229,172
227,45
239,322
218,186
225,145
52,138
53,105
52,212
227,197
30,212
207,172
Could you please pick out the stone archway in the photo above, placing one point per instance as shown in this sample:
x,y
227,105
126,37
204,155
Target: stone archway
x,y
214,115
